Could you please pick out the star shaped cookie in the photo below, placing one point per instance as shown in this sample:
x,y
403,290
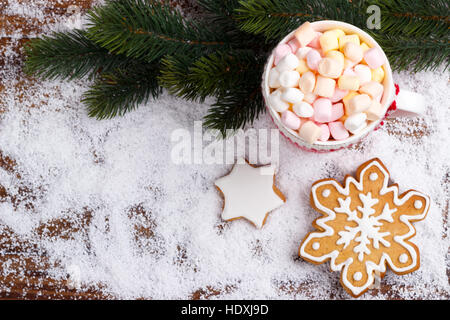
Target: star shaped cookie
x,y
249,193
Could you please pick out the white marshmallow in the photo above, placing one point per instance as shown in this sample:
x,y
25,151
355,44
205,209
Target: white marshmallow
x,y
360,128
355,121
330,68
302,52
292,95
276,103
289,79
310,97
303,109
288,63
274,78
363,72
307,82
353,51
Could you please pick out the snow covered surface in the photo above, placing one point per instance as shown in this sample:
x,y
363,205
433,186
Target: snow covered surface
x,y
153,228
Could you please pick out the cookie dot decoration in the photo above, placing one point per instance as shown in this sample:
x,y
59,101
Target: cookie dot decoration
x,y
326,193
249,192
365,226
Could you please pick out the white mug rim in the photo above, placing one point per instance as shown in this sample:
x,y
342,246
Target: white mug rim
x,y
388,84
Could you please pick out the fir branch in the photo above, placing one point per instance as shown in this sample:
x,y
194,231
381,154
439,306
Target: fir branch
x,y
235,109
68,55
275,19
415,54
121,91
148,30
211,75
415,18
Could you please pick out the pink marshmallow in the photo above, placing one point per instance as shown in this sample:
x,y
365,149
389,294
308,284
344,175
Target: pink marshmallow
x,y
337,112
338,131
280,52
316,41
338,95
290,120
325,135
322,110
374,58
294,44
312,59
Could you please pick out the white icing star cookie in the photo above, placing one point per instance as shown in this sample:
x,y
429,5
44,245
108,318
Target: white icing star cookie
x,y
249,193
365,226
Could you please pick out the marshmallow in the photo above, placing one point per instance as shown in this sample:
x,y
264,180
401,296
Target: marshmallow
x,y
325,134
294,44
361,127
302,67
372,88
355,121
310,97
274,81
307,82
348,97
325,87
338,131
338,95
290,120
322,110
358,103
363,72
303,109
313,58
336,55
378,74
310,132
315,43
337,112
330,68
348,83
349,72
375,111
339,32
280,51
276,103
289,79
349,63
288,63
364,46
292,95
305,34
302,52
350,38
329,41
353,52
374,58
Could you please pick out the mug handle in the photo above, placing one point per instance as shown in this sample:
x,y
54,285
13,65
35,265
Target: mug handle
x,y
410,102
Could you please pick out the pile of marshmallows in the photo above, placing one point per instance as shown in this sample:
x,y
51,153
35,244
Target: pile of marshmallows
x,y
326,84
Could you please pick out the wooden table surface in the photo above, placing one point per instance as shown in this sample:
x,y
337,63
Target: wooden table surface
x,y
30,279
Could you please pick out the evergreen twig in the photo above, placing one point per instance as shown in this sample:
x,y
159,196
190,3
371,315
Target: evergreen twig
x,y
148,30
69,55
118,92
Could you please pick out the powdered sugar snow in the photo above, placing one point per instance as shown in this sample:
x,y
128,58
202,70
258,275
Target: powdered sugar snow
x,y
146,227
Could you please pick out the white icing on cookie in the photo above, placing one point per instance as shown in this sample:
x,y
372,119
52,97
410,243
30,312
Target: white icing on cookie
x,y
373,176
418,204
403,258
326,193
357,276
316,245
371,267
249,193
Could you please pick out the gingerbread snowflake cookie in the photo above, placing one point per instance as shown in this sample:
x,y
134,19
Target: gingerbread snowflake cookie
x,y
365,225
249,193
